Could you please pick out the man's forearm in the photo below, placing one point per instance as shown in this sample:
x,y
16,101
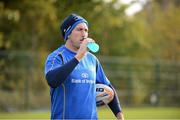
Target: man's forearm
x,y
114,104
57,76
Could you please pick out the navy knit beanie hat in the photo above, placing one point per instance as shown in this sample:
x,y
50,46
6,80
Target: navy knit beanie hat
x,y
69,23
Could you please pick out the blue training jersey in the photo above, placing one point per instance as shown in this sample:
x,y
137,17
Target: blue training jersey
x,y
75,98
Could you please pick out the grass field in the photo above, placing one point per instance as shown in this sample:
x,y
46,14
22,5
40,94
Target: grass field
x,y
105,113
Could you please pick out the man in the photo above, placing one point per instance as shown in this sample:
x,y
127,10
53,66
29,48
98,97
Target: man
x,y
72,73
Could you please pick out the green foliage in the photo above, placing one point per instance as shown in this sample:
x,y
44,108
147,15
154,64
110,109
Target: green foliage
x,y
157,31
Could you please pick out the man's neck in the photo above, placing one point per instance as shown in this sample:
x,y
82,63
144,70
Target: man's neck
x,y
70,47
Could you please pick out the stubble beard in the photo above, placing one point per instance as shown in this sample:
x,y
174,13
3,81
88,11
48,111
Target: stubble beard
x,y
76,47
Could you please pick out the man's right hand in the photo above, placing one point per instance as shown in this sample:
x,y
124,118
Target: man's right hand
x,y
83,49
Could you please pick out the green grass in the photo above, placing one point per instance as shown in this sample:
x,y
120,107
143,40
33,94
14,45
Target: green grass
x,y
105,113
144,113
